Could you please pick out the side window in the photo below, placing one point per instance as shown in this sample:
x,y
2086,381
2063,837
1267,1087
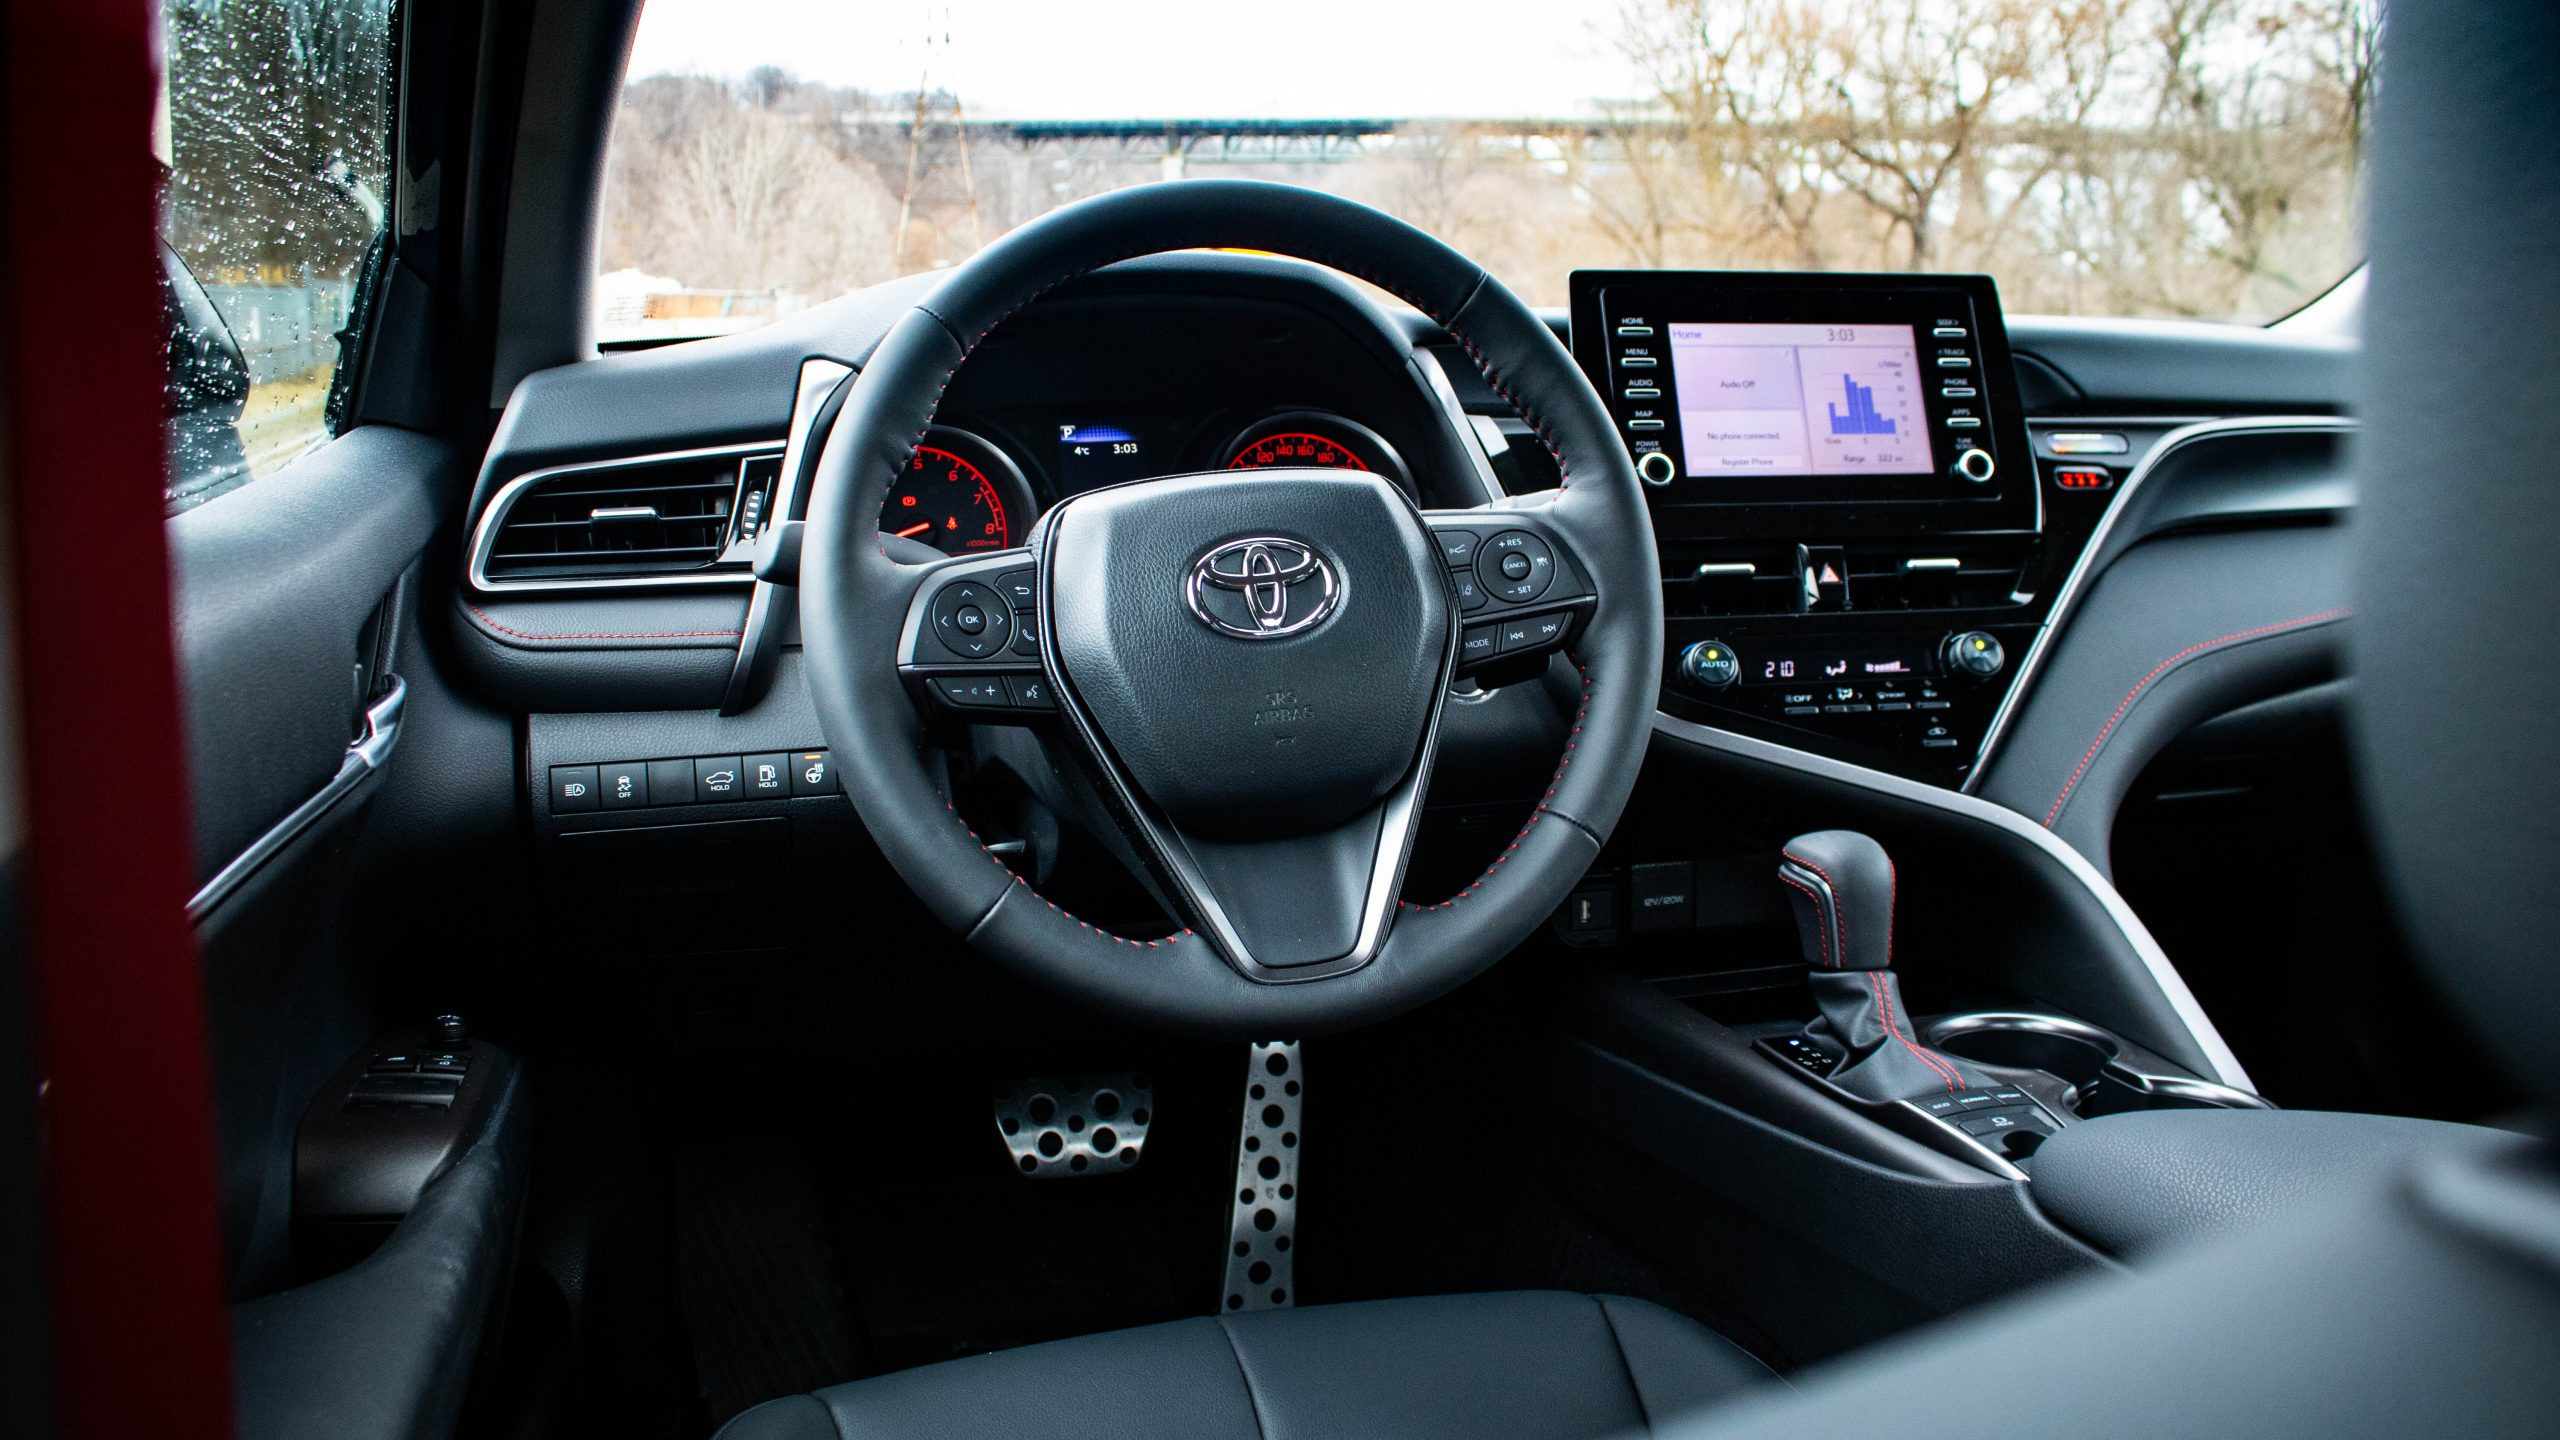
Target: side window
x,y
274,131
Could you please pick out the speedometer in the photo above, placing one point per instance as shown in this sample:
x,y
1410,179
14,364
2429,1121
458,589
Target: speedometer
x,y
1296,447
1313,439
959,496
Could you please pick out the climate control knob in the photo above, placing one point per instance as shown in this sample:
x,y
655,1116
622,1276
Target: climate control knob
x,y
1973,653
1657,468
1710,663
1976,466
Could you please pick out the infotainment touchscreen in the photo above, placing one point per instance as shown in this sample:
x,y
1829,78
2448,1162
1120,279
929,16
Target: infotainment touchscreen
x,y
1892,394
1799,399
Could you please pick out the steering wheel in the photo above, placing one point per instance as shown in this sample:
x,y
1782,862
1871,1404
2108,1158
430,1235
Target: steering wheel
x,y
1251,670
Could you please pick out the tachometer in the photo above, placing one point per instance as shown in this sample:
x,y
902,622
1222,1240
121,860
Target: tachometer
x,y
1315,440
957,496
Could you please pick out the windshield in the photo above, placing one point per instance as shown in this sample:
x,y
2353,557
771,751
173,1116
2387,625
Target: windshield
x,y
2199,158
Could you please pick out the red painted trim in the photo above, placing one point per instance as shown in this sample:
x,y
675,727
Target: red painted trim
x,y
133,1249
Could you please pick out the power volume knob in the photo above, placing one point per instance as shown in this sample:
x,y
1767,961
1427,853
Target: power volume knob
x,y
1975,466
1973,653
1657,468
1710,663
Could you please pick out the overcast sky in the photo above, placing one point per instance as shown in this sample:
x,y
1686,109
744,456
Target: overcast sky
x,y
1085,59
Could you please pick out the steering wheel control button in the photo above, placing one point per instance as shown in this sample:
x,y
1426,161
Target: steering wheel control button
x,y
1974,653
1020,588
971,619
766,777
624,784
1457,547
1479,643
1711,663
813,772
971,692
573,789
1532,632
1471,596
1515,567
1030,692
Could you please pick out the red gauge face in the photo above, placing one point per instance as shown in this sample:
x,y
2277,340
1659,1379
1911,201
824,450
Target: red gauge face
x,y
1296,447
947,503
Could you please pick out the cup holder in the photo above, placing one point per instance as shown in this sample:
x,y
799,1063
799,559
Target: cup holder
x,y
2083,1056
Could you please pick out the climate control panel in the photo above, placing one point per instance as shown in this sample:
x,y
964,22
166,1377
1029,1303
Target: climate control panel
x,y
1896,693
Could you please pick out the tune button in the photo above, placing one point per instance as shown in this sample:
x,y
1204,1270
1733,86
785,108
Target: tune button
x,y
1974,465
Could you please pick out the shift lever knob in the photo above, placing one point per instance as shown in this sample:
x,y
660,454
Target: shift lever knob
x,y
1841,884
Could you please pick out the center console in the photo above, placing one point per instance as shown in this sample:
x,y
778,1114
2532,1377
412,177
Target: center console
x,y
1848,505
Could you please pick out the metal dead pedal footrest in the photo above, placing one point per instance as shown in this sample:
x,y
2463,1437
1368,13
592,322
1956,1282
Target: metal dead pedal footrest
x,y
1059,1127
1265,1224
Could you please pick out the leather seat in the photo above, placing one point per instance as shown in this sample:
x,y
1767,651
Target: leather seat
x,y
1527,1365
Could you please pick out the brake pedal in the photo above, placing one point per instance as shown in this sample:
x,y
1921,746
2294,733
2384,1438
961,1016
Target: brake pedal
x,y
1264,1228
1061,1127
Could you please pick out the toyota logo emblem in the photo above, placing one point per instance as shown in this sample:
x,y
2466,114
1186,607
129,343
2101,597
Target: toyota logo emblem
x,y
1261,589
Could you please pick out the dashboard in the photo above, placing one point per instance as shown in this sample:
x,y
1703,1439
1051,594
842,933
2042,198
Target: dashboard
x,y
1870,511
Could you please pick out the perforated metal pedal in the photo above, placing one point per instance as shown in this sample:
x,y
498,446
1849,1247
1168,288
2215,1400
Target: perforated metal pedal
x,y
1061,1127
1264,1230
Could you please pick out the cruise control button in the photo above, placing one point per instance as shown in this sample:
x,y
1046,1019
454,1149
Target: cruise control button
x,y
971,692
1457,547
573,789
1516,567
971,619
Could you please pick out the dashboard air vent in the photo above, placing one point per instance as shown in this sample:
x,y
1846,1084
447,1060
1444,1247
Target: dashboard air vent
x,y
670,517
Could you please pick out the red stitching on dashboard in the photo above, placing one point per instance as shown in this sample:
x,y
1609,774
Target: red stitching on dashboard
x,y
1822,932
2156,672
649,635
1555,782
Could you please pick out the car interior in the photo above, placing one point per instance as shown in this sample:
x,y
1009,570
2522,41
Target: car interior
x,y
1197,820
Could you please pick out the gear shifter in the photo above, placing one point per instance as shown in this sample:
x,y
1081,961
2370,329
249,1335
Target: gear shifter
x,y
1841,884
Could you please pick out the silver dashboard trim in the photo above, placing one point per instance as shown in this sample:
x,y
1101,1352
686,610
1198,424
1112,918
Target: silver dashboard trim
x,y
2172,986
2067,599
484,535
366,754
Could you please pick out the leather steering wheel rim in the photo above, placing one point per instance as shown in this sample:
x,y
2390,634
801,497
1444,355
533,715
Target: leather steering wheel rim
x,y
854,598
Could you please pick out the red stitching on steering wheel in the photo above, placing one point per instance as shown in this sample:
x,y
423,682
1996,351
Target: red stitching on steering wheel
x,y
1555,782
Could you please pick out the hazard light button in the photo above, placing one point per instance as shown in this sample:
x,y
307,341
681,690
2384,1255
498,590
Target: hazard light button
x,y
1823,575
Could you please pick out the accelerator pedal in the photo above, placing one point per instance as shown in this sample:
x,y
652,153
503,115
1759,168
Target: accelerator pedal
x,y
1066,1127
1265,1225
